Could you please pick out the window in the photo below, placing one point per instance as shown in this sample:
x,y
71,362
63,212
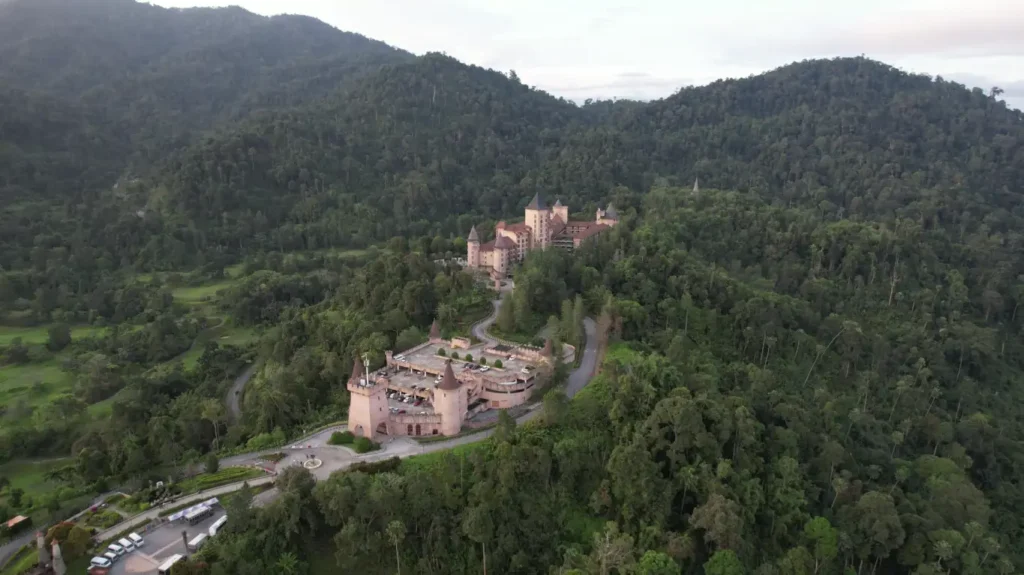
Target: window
x,y
417,429
409,429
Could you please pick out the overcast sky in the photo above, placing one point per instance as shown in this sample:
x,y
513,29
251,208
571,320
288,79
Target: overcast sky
x,y
647,49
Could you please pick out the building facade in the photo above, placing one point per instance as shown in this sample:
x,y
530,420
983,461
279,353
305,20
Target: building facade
x,y
542,227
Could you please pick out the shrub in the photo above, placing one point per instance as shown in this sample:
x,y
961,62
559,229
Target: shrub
x,y
483,361
363,445
341,438
497,363
469,357
211,463
455,355
440,352
371,467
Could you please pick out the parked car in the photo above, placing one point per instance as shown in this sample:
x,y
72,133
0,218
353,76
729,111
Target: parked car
x,y
136,539
100,562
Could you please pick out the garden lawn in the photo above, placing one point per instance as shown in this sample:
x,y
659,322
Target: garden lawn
x,y
428,460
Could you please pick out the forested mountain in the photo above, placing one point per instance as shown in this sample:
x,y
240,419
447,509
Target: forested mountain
x,y
815,361
148,79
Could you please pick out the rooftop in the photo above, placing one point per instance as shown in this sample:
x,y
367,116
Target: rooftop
x,y
425,358
537,203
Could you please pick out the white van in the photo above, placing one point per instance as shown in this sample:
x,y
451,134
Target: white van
x,y
136,539
111,556
115,549
128,545
100,562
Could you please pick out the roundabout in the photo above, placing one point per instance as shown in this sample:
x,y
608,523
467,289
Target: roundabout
x,y
312,463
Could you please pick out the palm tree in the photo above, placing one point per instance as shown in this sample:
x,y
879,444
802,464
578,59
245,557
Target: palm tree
x,y
396,533
288,564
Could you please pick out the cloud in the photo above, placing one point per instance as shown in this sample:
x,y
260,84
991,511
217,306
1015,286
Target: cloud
x,y
578,85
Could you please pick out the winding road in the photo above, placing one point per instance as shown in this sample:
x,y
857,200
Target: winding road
x,y
234,395
335,458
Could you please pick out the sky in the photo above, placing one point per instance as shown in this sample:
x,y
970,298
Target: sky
x,y
647,49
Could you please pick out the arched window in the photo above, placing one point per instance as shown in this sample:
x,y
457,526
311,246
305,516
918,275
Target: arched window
x,y
409,429
417,429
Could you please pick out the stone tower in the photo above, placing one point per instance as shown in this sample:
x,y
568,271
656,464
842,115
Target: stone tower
x,y
473,249
368,404
451,401
538,217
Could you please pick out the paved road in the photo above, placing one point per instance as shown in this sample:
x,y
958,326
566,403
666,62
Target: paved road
x,y
480,328
582,375
335,458
235,393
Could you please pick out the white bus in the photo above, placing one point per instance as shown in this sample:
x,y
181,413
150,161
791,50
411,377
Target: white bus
x,y
197,542
165,567
217,525
197,515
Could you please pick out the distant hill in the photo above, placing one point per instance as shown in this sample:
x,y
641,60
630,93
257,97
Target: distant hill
x,y
153,78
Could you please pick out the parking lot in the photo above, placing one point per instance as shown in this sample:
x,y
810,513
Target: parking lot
x,y
160,544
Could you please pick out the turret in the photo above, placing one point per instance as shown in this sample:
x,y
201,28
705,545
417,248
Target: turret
x,y
450,401
368,404
560,211
435,332
473,249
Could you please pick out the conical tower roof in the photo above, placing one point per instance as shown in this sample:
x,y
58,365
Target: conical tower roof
x,y
558,203
537,203
435,330
611,213
448,381
473,236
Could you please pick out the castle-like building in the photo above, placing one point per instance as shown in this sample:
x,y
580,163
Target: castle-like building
x,y
543,227
434,387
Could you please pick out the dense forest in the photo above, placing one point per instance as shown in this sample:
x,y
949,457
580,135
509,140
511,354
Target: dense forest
x,y
812,303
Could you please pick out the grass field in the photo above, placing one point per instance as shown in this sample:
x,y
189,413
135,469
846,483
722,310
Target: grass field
x,y
39,334
197,294
28,474
428,460
18,381
21,561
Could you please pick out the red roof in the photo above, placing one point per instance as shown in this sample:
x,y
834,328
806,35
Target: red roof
x,y
504,243
15,520
518,228
557,225
488,247
590,231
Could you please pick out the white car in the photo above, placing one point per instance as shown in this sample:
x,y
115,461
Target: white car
x,y
100,562
136,539
128,545
111,556
485,368
115,549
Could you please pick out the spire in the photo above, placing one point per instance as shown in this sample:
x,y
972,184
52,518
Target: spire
x,y
435,330
448,381
357,370
611,213
473,236
537,203
696,185
558,203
